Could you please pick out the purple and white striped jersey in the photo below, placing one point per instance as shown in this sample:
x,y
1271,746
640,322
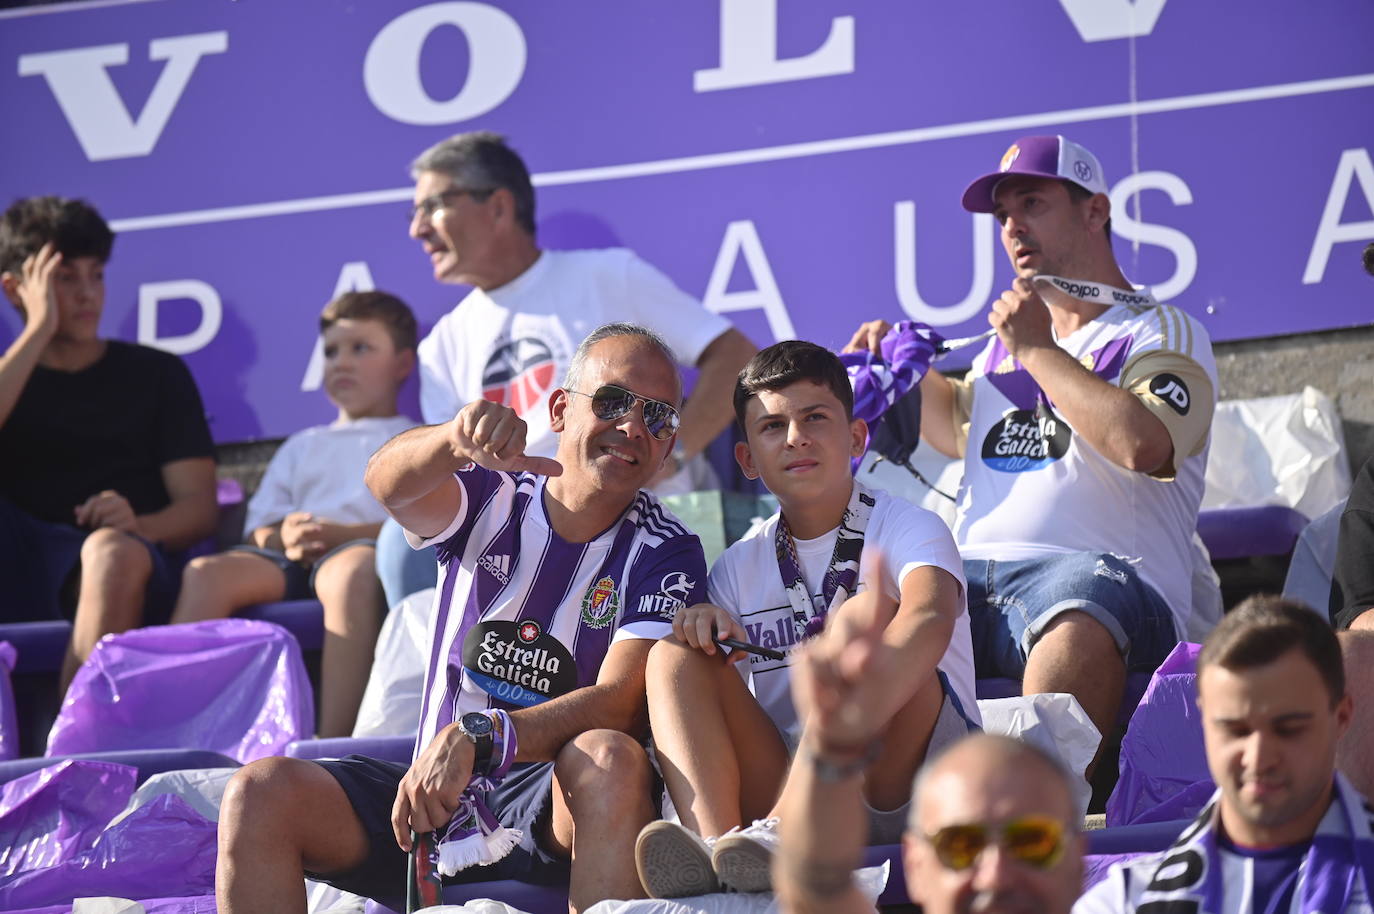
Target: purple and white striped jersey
x,y
522,615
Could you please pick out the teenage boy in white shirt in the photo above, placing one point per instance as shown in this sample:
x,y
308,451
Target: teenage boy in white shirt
x,y
724,741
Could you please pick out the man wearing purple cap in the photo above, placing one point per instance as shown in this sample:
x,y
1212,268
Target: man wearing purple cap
x,y
1084,429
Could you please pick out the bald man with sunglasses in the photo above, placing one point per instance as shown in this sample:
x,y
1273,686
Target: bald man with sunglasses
x,y
993,824
556,577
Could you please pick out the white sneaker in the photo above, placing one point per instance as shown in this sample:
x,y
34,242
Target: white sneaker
x,y
674,861
743,857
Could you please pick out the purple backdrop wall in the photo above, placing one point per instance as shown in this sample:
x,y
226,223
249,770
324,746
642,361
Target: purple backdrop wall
x,y
797,164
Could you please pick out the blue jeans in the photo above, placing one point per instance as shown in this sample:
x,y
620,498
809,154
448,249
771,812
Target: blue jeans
x,y
1011,603
402,570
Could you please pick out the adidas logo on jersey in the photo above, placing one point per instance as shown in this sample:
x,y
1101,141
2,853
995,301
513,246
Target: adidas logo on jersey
x,y
498,566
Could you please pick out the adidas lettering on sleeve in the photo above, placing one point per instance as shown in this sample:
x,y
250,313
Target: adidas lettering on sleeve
x,y
523,616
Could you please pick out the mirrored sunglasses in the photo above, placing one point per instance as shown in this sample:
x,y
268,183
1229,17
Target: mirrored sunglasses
x,y
610,402
1034,840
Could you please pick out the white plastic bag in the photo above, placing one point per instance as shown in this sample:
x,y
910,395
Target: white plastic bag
x,y
1285,450
869,880
1052,721
395,687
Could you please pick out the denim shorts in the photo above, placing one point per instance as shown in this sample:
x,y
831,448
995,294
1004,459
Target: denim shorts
x,y
523,801
1011,603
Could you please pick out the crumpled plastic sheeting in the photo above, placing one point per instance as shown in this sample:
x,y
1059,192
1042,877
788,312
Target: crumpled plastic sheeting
x,y
1284,450
870,881
395,688
198,904
234,686
9,719
55,813
1052,721
201,788
1163,770
164,848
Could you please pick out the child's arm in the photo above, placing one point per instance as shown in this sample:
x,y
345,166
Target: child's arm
x,y
305,537
268,536
193,511
699,626
915,634
34,288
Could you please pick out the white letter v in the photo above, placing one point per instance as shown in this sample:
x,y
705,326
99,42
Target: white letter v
x,y
93,108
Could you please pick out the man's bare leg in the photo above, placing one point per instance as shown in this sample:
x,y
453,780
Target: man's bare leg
x,y
215,586
1076,654
601,784
705,720
115,569
280,817
351,595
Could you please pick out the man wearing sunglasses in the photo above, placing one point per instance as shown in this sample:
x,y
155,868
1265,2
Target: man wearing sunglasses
x,y
511,337
556,577
1284,832
993,824
991,830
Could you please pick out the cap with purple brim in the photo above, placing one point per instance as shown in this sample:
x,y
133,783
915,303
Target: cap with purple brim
x,y
1041,157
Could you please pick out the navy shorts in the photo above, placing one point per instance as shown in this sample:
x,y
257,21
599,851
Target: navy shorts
x,y
300,578
1011,603
523,800
39,565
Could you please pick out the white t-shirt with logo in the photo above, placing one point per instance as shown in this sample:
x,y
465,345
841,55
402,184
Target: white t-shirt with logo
x,y
513,343
1033,487
746,582
522,616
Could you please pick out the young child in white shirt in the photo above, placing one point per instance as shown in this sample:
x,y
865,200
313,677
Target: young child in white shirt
x,y
311,525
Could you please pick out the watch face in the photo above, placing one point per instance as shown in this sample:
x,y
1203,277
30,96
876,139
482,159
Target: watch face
x,y
476,724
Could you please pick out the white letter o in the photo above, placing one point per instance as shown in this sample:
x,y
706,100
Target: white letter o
x,y
391,69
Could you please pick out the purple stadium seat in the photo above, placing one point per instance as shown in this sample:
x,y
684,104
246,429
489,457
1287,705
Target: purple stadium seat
x,y
148,761
1135,839
1239,533
302,618
40,645
388,748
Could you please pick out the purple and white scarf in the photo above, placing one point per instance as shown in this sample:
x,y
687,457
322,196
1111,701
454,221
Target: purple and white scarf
x,y
878,380
841,578
473,836
1342,852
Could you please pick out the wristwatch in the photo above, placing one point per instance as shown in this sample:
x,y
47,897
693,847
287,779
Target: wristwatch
x,y
478,728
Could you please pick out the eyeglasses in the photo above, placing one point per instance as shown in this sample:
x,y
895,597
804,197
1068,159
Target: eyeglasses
x,y
1034,840
611,402
435,202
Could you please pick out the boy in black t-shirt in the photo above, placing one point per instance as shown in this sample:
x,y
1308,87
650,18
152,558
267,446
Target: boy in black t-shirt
x,y
106,463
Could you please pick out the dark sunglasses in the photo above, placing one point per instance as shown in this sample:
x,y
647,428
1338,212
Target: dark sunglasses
x,y
1035,840
611,402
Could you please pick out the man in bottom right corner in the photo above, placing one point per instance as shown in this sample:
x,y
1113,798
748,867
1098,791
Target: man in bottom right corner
x,y
1285,831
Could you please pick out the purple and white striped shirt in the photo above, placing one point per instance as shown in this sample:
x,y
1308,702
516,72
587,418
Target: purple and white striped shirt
x,y
522,615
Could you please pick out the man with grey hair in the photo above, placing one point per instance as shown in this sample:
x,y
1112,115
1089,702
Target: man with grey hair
x,y
510,339
993,824
556,576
